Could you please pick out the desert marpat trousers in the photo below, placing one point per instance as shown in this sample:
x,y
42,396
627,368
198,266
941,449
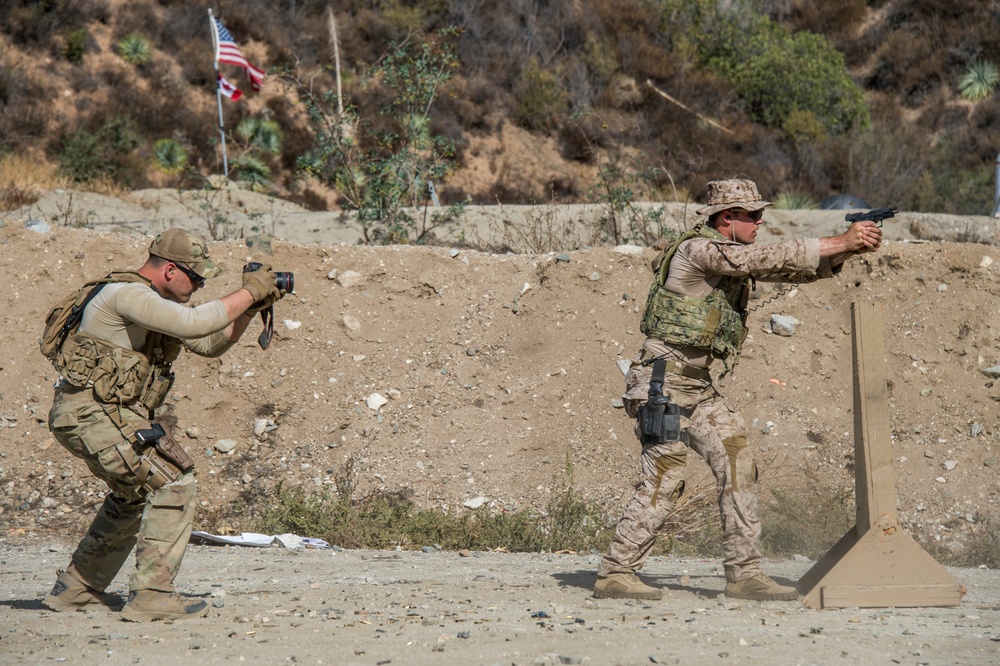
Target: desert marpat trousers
x,y
718,434
158,524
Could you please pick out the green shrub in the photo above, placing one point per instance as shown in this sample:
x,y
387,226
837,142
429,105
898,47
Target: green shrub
x,y
540,97
135,49
87,156
806,524
169,156
76,44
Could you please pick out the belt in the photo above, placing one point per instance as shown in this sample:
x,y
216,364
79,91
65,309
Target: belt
x,y
692,371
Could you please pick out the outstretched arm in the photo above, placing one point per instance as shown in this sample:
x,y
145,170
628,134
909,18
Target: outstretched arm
x,y
860,237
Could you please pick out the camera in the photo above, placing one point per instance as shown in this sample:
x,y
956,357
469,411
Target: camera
x,y
284,280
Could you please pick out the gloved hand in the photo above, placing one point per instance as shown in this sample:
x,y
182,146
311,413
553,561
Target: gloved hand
x,y
260,283
265,303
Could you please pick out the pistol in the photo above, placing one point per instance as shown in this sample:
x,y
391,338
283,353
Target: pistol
x,y
876,215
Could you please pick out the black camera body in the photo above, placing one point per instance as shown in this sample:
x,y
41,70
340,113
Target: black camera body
x,y
284,280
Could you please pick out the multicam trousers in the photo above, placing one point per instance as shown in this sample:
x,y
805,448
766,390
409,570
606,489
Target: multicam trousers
x,y
717,434
158,524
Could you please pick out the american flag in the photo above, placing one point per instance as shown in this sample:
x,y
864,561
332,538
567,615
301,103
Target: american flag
x,y
226,51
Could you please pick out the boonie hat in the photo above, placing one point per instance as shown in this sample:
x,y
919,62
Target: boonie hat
x,y
732,193
186,247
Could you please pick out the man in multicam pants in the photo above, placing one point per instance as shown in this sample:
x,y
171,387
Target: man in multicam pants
x,y
695,314
139,314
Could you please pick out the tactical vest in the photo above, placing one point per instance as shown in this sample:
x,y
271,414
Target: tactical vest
x,y
134,378
715,324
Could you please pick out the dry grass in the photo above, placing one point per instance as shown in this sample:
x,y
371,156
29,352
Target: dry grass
x,y
23,178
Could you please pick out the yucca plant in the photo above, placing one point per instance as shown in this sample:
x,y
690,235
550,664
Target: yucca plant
x,y
260,133
979,81
169,156
794,200
135,49
253,170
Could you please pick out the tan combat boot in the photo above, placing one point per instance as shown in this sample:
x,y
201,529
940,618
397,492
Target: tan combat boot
x,y
625,586
760,588
71,594
149,605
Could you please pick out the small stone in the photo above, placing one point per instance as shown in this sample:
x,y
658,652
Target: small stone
x,y
949,464
783,325
350,279
453,252
351,323
562,257
225,445
471,351
259,427
475,502
376,401
992,372
192,432
595,276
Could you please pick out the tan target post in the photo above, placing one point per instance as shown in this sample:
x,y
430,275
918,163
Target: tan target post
x,y
876,564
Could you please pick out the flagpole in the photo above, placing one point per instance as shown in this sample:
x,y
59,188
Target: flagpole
x,y
218,93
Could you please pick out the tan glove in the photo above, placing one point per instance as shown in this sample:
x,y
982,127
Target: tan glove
x,y
267,302
260,284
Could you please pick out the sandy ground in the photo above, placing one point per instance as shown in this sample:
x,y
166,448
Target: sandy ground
x,y
366,608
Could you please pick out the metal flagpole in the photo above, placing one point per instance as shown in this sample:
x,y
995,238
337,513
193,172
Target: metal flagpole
x,y
218,93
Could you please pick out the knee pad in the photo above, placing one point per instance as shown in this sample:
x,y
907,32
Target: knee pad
x,y
742,468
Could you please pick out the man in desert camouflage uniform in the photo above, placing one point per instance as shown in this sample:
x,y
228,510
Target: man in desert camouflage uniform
x,y
696,313
113,373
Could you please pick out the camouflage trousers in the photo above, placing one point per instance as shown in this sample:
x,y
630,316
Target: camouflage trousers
x,y
158,524
717,434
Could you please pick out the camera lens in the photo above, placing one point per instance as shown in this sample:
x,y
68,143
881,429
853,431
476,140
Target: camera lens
x,y
285,281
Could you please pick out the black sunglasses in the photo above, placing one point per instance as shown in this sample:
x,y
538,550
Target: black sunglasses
x,y
196,280
754,215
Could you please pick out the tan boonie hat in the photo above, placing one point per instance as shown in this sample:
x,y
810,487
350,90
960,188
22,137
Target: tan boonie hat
x,y
732,193
185,247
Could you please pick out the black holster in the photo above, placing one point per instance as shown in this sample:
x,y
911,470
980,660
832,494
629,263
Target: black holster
x,y
660,419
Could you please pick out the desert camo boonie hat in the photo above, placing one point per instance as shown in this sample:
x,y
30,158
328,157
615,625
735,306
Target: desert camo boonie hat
x,y
186,247
732,193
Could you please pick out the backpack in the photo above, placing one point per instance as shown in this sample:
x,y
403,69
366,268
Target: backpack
x,y
64,319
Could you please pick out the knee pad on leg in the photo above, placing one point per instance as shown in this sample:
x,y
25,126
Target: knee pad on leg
x,y
742,468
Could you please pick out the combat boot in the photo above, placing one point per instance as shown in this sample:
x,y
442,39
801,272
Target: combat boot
x,y
149,605
71,594
625,586
760,588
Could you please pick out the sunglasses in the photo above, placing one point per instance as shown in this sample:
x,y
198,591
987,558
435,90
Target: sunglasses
x,y
754,215
196,280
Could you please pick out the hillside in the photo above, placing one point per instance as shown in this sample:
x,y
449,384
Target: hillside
x,y
501,371
546,102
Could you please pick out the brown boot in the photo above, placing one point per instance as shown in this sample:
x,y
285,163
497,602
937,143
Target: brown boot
x,y
149,605
760,588
625,586
71,594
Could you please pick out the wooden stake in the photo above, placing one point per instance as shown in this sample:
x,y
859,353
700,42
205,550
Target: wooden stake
x,y
876,564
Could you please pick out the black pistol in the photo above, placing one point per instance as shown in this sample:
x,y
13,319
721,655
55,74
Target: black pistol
x,y
876,215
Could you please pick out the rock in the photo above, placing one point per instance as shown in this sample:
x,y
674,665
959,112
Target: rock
x,y
291,324
629,250
259,427
454,252
562,257
624,365
351,323
475,502
350,279
992,372
38,226
375,401
783,325
949,464
225,445
595,276
192,432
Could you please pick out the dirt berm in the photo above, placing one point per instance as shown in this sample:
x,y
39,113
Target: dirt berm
x,y
499,372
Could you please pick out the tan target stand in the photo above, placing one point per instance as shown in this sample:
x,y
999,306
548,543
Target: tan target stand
x,y
876,564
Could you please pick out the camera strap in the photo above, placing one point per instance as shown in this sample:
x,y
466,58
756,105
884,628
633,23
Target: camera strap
x,y
267,317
